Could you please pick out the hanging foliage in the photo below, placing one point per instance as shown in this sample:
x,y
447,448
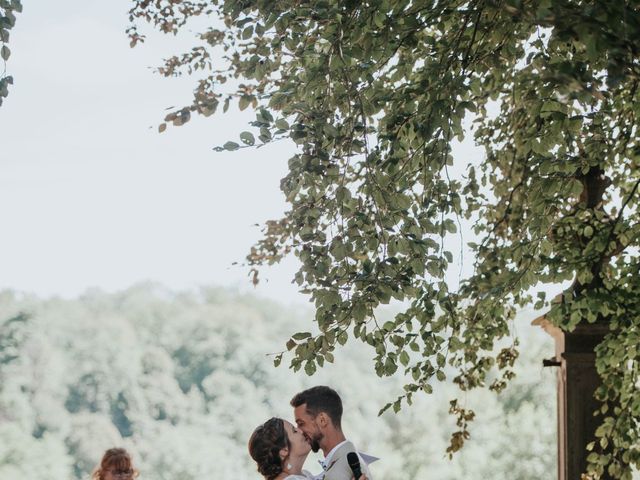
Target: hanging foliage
x,y
8,9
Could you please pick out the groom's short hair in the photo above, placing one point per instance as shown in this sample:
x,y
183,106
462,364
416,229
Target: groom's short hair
x,y
320,399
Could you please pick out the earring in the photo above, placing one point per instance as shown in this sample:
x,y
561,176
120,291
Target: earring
x,y
289,466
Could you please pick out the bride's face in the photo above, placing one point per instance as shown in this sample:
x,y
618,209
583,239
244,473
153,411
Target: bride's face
x,y
299,444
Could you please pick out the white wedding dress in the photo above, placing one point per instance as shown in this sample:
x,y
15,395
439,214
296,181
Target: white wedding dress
x,y
305,476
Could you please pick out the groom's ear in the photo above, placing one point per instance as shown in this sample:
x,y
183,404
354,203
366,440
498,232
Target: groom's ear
x,y
323,420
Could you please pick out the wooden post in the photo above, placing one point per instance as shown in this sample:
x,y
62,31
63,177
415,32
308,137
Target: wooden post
x,y
576,399
577,381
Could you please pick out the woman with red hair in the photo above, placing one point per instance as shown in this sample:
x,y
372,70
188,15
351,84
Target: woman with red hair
x,y
116,464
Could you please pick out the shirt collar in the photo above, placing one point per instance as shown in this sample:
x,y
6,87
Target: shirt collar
x,y
327,460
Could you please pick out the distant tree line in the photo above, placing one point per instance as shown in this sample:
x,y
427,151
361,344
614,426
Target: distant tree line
x,y
182,378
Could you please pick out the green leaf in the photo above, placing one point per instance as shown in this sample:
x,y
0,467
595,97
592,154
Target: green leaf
x,y
244,102
404,358
384,409
310,368
231,146
247,138
282,124
247,32
301,335
588,231
264,116
389,326
277,360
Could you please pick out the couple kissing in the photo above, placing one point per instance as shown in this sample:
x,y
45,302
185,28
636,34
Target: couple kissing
x,y
280,448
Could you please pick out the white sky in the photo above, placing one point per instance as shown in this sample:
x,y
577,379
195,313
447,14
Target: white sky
x,y
91,195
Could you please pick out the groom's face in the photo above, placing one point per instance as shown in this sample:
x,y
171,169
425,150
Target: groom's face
x,y
307,423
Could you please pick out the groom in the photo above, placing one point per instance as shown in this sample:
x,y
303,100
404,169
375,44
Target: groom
x,y
318,413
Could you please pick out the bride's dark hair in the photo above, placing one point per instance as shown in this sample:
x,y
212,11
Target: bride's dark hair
x,y
265,444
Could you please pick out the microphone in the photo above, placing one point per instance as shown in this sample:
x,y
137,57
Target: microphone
x,y
354,463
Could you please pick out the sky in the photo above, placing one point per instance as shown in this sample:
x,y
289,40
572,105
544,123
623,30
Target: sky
x,y
91,195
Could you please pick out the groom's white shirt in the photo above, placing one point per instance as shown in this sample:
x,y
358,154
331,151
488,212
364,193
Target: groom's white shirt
x,y
327,460
337,467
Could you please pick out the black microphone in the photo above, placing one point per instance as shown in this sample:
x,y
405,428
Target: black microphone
x,y
354,463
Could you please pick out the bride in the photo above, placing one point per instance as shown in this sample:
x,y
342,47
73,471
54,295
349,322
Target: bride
x,y
280,449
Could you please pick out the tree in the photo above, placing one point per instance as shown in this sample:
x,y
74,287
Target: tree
x,y
8,9
375,94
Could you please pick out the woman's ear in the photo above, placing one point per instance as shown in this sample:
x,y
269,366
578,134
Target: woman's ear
x,y
284,453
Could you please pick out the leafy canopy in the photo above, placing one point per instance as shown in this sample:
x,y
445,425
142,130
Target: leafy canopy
x,y
375,93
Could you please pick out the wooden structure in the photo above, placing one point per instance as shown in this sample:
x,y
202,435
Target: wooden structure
x,y
577,381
